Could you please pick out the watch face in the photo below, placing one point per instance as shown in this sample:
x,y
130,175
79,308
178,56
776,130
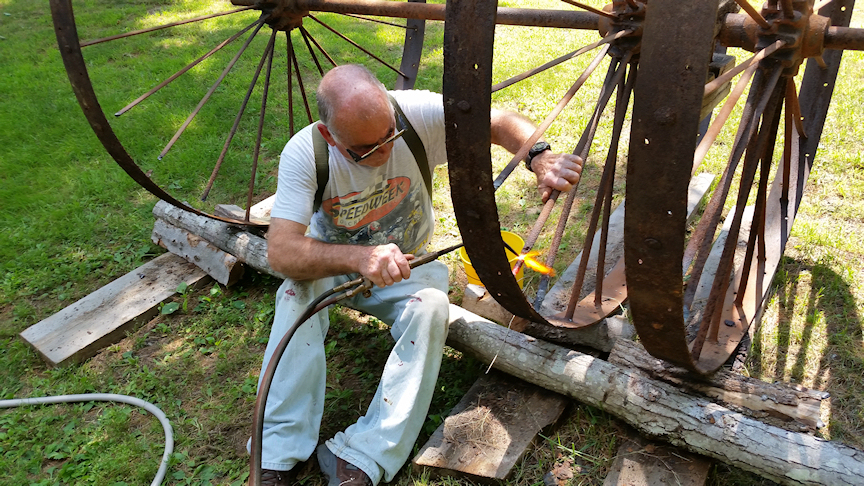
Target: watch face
x,y
537,148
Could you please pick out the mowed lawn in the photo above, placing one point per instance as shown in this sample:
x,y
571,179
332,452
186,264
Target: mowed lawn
x,y
71,221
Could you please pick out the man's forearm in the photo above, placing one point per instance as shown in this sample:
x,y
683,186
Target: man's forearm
x,y
510,130
307,259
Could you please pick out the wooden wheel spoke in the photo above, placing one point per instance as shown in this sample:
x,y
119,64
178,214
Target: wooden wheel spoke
x,y
237,118
210,91
187,68
565,100
269,55
566,57
358,46
160,27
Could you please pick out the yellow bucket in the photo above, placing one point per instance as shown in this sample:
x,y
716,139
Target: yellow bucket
x,y
515,242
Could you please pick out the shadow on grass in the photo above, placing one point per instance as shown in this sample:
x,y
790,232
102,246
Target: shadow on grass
x,y
815,339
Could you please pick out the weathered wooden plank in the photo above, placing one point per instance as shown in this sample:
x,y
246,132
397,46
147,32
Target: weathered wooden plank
x,y
641,462
103,318
222,266
490,429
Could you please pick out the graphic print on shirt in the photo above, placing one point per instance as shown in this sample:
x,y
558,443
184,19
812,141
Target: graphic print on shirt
x,y
388,211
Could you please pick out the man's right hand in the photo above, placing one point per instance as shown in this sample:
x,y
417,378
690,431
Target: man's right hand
x,y
299,257
385,265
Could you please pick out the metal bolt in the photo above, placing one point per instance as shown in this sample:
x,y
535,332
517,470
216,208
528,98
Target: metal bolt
x,y
653,244
464,106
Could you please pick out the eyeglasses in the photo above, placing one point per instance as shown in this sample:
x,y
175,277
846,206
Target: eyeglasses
x,y
360,158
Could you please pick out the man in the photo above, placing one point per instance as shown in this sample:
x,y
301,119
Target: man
x,y
375,214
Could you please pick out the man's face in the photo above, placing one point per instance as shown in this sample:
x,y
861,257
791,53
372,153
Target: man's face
x,y
370,140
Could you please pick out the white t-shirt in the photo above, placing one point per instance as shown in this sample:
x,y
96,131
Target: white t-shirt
x,y
366,205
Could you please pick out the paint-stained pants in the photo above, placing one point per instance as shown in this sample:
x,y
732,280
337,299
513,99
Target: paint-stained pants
x,y
380,442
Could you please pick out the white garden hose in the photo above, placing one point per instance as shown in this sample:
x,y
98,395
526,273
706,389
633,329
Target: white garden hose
x,y
110,397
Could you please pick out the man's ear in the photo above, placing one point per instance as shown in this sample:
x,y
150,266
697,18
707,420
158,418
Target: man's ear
x,y
326,134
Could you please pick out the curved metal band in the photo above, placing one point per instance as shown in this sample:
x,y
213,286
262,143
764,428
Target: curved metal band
x,y
676,49
469,35
76,68
654,231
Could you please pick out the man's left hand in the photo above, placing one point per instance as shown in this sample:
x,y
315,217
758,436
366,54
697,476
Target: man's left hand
x,y
558,172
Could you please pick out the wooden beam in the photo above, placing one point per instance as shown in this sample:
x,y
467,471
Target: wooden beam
x,y
223,267
798,408
105,316
249,248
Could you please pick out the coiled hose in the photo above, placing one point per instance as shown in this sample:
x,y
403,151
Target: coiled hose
x,y
110,397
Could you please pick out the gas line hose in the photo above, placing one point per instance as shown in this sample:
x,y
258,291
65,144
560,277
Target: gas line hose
x,y
347,290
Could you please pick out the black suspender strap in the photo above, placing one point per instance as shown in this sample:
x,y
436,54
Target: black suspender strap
x,y
322,154
414,143
322,165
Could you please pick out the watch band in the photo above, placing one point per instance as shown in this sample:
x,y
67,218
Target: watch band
x,y
536,150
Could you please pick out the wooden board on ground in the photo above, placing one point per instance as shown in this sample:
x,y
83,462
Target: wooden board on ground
x,y
105,316
643,463
490,428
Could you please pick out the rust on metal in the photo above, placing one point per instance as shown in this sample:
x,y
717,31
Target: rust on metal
x,y
412,51
675,52
562,19
76,69
468,45
269,54
186,68
210,92
239,116
160,27
355,44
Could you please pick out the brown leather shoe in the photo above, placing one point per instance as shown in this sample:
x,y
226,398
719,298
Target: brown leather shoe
x,y
340,472
270,477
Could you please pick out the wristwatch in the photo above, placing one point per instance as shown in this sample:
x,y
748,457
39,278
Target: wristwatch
x,y
536,150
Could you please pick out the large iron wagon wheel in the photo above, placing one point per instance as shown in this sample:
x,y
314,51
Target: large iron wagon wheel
x,y
281,17
288,16
661,57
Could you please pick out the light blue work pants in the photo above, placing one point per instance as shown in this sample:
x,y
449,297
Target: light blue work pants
x,y
379,443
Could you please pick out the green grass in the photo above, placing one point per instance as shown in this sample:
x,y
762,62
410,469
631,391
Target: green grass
x,y
72,221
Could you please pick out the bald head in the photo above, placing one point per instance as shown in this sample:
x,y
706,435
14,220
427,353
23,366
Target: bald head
x,y
349,95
